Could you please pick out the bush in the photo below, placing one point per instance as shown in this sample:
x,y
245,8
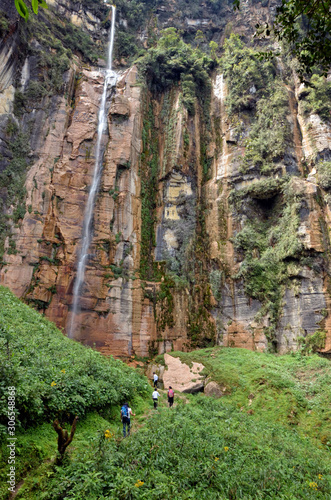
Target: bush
x,y
324,174
4,24
270,133
254,88
267,247
203,450
173,61
317,98
12,180
244,71
313,343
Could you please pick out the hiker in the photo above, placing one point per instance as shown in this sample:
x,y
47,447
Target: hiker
x,y
155,378
126,413
155,397
170,396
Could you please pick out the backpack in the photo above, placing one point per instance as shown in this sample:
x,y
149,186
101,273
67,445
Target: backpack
x,y
125,411
171,393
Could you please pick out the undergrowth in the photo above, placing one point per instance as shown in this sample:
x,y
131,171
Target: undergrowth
x,y
268,437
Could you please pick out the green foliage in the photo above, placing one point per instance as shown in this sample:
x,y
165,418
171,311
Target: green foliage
x,y
134,13
317,98
55,376
253,88
261,189
149,186
243,69
59,39
313,343
324,174
306,26
23,8
4,23
270,133
173,61
252,443
12,180
292,389
268,246
216,279
213,48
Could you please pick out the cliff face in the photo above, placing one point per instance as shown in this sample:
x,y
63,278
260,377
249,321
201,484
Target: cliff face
x,y
212,220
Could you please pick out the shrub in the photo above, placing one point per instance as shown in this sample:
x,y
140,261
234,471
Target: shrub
x,y
317,98
313,343
270,133
267,247
324,174
4,24
244,70
203,450
173,61
12,180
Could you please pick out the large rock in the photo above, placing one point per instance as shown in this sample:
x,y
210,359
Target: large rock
x,y
213,389
182,377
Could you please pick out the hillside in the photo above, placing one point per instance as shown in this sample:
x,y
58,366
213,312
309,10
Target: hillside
x,y
54,377
267,437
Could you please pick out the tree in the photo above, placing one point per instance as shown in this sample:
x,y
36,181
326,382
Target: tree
x,y
306,26
199,38
64,439
23,9
213,48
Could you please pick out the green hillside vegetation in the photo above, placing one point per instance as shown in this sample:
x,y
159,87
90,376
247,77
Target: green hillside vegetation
x,y
55,377
267,437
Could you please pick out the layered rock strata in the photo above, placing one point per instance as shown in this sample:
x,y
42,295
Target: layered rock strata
x,y
168,266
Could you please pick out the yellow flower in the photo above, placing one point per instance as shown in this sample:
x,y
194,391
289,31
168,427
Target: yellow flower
x,y
226,448
108,434
320,476
63,371
53,383
313,485
216,459
139,483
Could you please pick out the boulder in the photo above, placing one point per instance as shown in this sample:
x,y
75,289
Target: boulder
x,y
182,377
213,389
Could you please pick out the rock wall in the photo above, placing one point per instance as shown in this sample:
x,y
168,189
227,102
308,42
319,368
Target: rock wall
x,y
167,267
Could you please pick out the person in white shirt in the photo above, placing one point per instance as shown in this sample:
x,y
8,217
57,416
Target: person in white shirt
x,y
155,397
155,378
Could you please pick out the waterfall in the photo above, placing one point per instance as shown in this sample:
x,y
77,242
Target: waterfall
x,y
110,79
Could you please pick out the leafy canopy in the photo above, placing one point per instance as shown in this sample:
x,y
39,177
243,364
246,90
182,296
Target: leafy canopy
x,y
172,61
306,26
23,10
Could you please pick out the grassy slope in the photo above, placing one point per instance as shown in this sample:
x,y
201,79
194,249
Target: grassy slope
x,y
293,390
268,437
54,377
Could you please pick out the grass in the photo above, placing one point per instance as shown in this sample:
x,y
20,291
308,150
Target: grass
x,y
293,390
268,437
206,449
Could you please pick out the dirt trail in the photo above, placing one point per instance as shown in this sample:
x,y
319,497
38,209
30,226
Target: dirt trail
x,y
163,403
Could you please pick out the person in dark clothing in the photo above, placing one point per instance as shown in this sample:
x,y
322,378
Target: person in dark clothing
x,y
171,395
126,413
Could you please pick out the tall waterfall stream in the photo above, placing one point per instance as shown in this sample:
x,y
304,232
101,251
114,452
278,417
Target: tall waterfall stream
x,y
110,80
